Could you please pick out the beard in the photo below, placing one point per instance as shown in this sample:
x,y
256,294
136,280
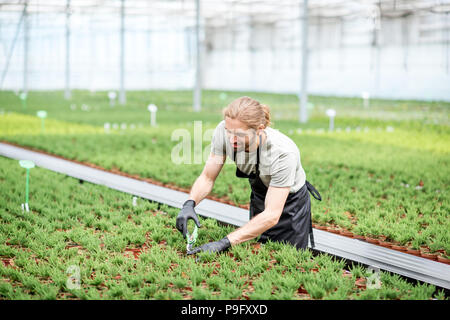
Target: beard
x,y
251,142
245,145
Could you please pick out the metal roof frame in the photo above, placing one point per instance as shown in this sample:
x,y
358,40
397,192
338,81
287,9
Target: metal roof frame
x,y
219,9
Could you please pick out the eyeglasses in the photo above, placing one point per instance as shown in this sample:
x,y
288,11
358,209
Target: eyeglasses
x,y
240,134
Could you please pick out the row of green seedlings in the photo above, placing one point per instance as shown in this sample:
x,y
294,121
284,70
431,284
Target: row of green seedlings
x,y
342,197
247,277
216,100
379,210
370,224
133,145
41,246
403,231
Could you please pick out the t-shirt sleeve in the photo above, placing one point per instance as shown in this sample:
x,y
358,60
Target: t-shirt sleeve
x,y
218,146
283,171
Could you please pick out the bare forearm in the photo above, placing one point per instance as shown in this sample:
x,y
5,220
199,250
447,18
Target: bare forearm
x,y
200,189
256,226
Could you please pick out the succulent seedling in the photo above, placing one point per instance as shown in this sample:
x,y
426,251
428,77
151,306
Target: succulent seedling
x,y
191,238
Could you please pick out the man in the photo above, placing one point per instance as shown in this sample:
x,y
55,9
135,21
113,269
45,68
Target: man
x,y
280,208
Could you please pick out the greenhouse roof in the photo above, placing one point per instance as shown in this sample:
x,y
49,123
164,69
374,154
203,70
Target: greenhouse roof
x,y
222,10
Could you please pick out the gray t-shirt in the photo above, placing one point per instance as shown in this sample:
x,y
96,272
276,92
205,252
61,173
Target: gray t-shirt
x,y
279,162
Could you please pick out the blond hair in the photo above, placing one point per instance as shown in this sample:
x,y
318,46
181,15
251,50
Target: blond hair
x,y
249,111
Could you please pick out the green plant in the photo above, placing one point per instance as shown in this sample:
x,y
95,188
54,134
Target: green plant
x,y
200,294
162,270
180,282
315,291
230,291
373,180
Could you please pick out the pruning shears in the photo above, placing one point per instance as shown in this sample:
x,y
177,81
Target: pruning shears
x,y
191,238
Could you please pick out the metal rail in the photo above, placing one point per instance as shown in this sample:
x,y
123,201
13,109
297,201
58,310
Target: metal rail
x,y
407,265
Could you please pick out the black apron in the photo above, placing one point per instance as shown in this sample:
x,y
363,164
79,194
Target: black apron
x,y
295,221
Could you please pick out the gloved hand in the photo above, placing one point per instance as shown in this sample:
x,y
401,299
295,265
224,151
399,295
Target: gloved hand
x,y
187,212
216,246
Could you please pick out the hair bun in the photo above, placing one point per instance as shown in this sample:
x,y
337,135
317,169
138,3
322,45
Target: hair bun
x,y
249,111
266,110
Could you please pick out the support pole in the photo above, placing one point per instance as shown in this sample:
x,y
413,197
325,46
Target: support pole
x,y
25,50
198,64
376,48
27,185
303,114
67,93
11,50
447,43
122,95
92,60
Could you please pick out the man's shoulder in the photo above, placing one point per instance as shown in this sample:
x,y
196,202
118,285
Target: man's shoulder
x,y
219,131
220,128
281,146
221,124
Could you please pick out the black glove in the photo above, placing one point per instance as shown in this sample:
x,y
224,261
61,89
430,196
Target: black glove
x,y
216,246
187,212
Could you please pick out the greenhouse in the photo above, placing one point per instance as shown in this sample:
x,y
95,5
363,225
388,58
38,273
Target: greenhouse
x,y
240,150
